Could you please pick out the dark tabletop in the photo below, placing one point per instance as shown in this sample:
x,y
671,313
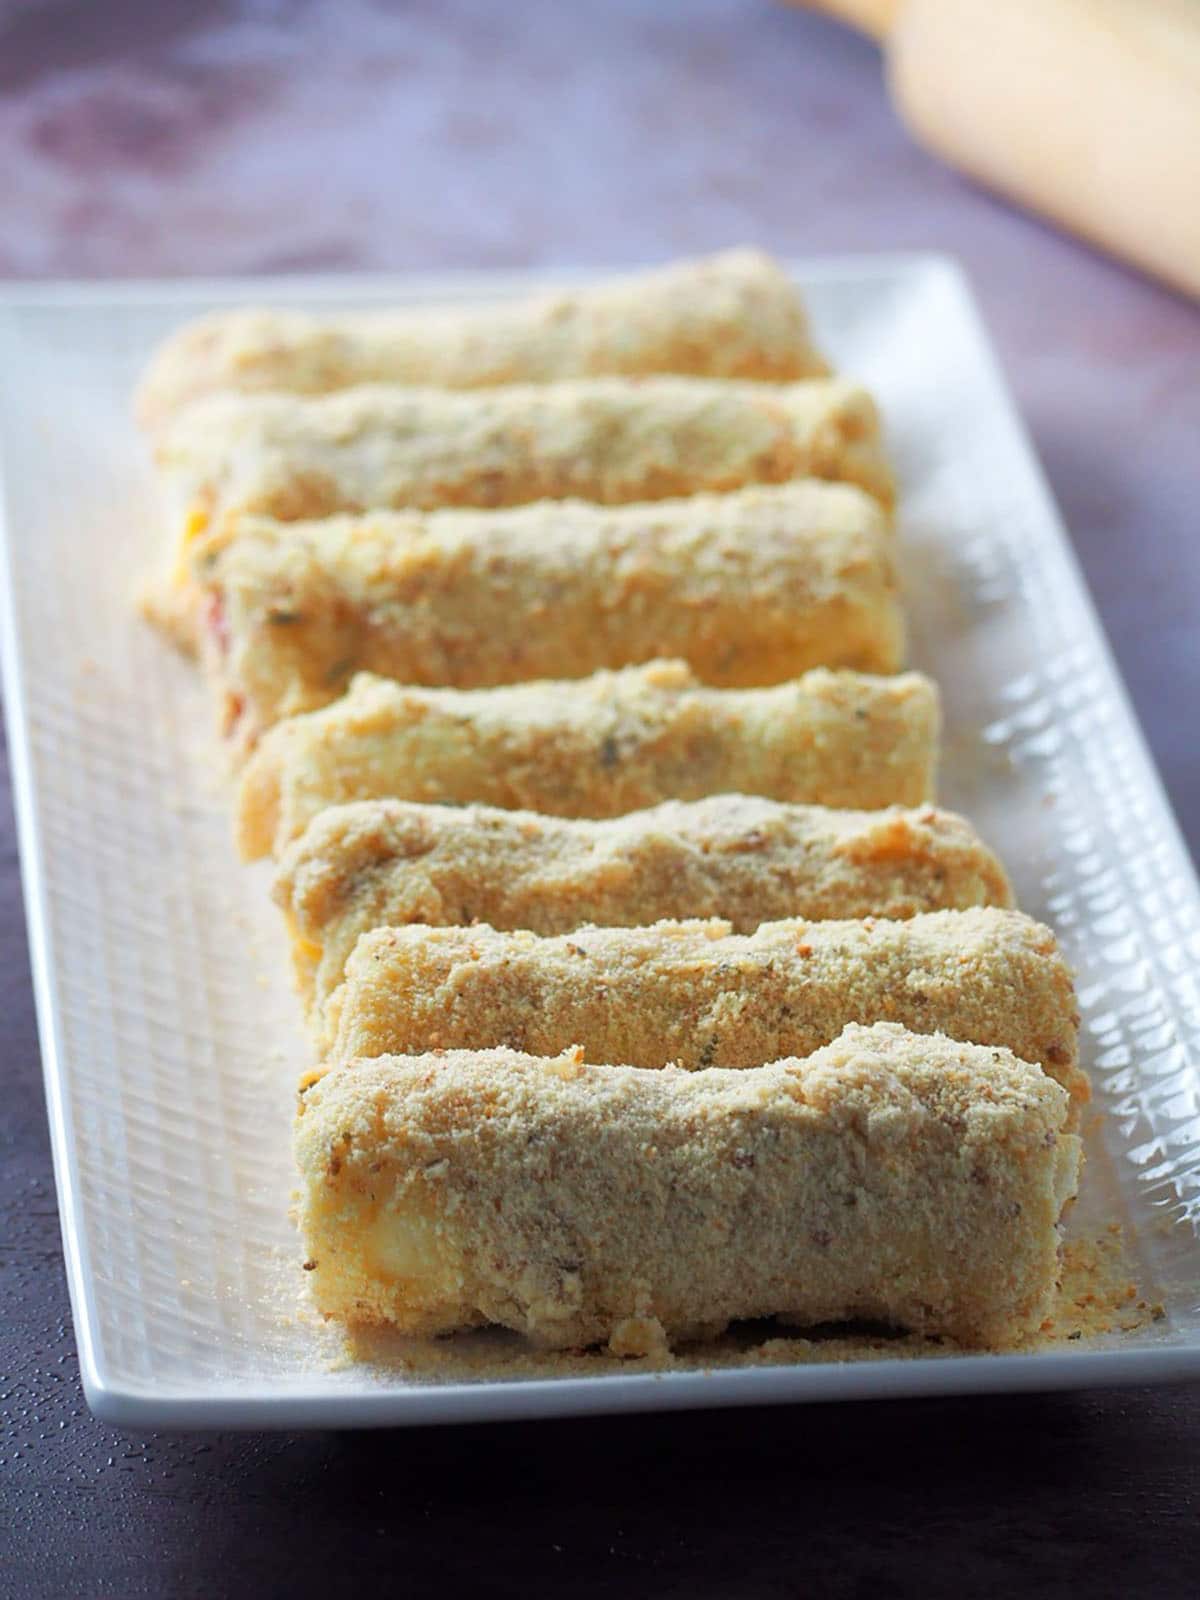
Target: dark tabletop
x,y
169,136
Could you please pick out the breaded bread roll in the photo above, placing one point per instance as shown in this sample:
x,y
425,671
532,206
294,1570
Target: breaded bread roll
x,y
597,747
749,588
731,315
695,994
892,1176
383,863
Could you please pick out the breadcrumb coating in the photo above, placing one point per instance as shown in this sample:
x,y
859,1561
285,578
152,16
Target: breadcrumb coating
x,y
899,1178
598,747
732,315
384,863
698,995
468,599
611,440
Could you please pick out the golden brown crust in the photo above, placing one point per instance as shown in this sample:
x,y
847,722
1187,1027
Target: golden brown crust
x,y
731,315
598,747
611,440
747,860
903,1179
470,599
697,995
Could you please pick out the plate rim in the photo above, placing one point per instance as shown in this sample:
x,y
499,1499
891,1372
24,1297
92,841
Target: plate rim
x,y
450,283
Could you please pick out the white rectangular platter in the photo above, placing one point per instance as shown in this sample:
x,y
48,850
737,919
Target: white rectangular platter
x,y
170,1036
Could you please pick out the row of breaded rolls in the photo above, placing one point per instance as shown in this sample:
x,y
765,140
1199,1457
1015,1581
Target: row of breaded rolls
x,y
557,645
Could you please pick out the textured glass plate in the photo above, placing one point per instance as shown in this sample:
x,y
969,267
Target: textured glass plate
x,y
169,1033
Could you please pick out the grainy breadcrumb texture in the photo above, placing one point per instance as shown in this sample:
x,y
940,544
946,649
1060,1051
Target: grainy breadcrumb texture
x,y
599,747
554,590
611,440
1095,1295
385,863
695,994
731,315
904,1179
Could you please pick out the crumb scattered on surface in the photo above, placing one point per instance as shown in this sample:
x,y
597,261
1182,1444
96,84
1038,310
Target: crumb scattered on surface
x,y
1098,1294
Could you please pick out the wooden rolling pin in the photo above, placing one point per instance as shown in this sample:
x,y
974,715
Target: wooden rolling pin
x,y
1086,110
